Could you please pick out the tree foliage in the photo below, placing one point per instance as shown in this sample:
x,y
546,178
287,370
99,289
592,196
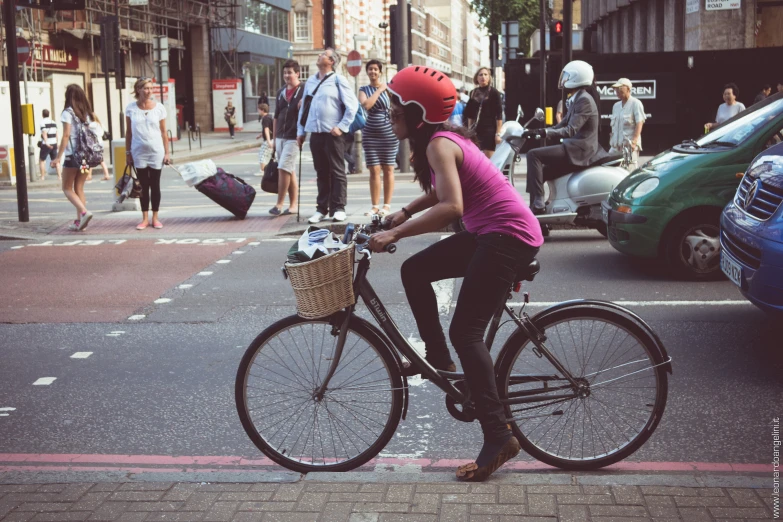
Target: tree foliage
x,y
493,12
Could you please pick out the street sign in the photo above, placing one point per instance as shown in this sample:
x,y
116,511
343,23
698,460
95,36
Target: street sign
x,y
3,153
721,5
22,49
138,2
354,63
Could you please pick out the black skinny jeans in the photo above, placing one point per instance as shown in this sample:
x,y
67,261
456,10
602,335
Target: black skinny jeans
x,y
150,186
554,157
489,264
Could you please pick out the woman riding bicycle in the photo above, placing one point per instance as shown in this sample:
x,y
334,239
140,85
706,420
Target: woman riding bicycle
x,y
501,236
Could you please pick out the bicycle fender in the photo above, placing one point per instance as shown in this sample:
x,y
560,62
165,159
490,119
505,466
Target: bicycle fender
x,y
382,336
611,306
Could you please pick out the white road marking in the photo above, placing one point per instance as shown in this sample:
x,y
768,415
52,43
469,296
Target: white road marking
x,y
81,355
649,303
274,240
223,261
444,289
44,381
238,252
4,409
136,317
204,273
253,243
17,247
185,287
162,300
115,333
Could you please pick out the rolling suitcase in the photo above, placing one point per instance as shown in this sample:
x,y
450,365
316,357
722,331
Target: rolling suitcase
x,y
228,191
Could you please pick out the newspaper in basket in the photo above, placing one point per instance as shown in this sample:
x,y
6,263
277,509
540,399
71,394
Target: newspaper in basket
x,y
325,285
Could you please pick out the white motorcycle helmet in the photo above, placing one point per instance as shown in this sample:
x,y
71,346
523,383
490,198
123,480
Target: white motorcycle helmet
x,y
576,74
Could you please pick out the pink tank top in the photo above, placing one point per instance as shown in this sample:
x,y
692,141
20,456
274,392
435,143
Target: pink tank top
x,y
489,202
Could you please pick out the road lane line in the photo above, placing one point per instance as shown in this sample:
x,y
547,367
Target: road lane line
x,y
185,287
649,303
136,317
204,273
162,300
44,381
223,261
81,355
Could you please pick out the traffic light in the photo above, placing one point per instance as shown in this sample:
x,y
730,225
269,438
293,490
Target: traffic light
x,y
556,35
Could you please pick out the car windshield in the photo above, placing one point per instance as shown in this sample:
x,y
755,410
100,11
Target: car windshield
x,y
736,132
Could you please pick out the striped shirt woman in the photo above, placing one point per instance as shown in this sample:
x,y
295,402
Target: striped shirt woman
x,y
378,141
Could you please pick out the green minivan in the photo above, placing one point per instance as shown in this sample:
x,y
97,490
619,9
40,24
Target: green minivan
x,y
670,207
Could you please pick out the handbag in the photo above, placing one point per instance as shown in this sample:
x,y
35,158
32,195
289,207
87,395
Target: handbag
x,y
128,186
232,120
308,100
360,120
269,180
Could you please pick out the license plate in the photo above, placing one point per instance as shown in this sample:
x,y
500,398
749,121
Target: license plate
x,y
731,268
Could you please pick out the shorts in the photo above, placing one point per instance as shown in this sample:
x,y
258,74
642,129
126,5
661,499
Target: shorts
x,y
486,139
286,154
70,163
46,150
264,153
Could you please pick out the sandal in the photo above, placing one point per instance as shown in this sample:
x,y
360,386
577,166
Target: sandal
x,y
473,473
373,211
385,211
142,226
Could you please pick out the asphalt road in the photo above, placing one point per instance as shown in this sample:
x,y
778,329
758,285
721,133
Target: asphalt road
x,y
162,384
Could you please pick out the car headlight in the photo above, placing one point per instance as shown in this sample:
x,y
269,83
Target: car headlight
x,y
645,187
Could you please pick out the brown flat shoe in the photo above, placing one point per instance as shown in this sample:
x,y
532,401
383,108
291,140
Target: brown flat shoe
x,y
472,473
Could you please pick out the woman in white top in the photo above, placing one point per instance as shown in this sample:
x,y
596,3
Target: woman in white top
x,y
77,115
730,108
147,147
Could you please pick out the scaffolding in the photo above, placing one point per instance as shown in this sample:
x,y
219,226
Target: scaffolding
x,y
138,25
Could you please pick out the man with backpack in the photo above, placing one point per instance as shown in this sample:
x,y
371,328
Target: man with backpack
x,y
329,107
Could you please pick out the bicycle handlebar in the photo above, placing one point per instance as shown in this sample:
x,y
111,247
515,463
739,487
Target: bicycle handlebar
x,y
364,238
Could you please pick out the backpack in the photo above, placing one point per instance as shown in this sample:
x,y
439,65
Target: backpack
x,y
88,151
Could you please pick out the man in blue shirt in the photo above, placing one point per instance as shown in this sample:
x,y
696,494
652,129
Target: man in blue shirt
x,y
332,111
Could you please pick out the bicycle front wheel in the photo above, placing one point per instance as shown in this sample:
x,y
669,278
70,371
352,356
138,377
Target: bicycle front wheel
x,y
620,399
283,416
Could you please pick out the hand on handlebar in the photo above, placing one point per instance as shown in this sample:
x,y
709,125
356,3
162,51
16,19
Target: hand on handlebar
x,y
395,219
383,241
533,134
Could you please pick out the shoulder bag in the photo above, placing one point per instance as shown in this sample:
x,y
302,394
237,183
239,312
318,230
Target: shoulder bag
x,y
360,120
269,180
308,100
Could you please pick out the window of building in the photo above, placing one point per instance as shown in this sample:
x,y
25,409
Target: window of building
x,y
304,72
263,18
301,26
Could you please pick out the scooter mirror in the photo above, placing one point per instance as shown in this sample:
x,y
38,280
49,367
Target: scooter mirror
x,y
520,113
539,114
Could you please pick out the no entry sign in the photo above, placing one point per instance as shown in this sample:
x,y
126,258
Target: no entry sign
x,y
3,153
22,49
354,63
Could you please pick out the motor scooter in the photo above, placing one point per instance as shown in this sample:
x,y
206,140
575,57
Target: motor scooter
x,y
571,199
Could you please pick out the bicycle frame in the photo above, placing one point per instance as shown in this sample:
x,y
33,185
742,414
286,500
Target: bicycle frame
x,y
442,380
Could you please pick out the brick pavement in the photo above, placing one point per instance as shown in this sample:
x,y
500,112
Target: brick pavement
x,y
310,499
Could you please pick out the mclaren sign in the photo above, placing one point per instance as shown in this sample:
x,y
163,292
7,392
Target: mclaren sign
x,y
642,89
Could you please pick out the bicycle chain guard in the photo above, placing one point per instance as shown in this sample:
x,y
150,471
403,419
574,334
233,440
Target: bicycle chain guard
x,y
468,412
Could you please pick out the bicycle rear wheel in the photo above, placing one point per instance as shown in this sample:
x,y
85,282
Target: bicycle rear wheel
x,y
621,399
276,401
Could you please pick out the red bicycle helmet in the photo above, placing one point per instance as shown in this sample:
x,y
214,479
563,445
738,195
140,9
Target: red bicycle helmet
x,y
428,88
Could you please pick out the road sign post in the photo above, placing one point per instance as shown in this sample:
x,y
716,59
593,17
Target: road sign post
x,y
9,18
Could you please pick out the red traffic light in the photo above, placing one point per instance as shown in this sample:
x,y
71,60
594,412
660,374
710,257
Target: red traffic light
x,y
557,27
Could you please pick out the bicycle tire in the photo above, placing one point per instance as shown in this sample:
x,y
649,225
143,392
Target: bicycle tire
x,y
293,394
532,437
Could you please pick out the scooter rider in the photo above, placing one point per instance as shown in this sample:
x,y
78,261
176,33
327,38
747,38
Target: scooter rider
x,y
579,131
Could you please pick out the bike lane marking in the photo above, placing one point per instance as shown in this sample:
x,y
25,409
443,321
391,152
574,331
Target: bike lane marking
x,y
726,302
166,463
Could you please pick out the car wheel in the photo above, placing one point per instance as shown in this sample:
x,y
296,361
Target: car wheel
x,y
693,246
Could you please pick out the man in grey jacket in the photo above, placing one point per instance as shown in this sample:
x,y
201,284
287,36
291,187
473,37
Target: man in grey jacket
x,y
578,130
332,111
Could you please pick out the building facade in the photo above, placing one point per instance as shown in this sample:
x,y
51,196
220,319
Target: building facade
x,y
623,26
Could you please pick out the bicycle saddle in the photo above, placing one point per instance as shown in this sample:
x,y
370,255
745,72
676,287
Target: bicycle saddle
x,y
528,273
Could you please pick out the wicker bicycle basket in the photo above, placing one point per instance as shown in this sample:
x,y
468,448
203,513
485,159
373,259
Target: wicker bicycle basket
x,y
323,286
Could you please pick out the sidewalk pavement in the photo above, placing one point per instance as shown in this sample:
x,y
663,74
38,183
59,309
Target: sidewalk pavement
x,y
212,144
389,497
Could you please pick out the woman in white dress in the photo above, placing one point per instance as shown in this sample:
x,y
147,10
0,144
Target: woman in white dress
x,y
147,147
